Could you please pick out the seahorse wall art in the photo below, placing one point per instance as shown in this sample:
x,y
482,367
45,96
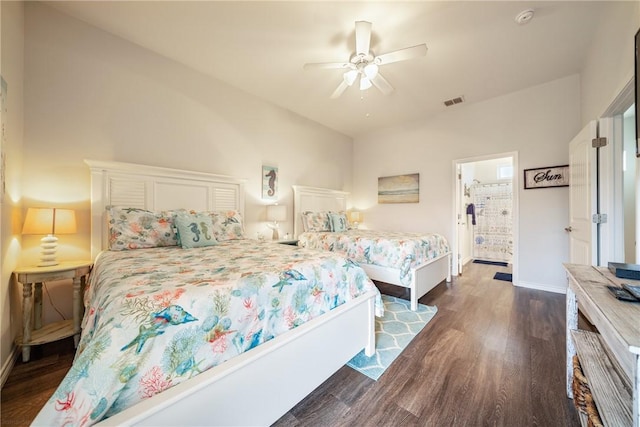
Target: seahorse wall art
x,y
269,182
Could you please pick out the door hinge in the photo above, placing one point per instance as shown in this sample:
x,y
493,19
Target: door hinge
x,y
599,218
599,142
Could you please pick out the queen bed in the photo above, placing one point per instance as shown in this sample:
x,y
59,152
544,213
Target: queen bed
x,y
202,326
416,261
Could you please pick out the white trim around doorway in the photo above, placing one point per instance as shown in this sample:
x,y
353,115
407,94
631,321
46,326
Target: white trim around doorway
x,y
516,218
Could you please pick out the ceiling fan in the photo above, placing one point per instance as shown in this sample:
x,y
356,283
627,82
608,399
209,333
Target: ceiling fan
x,y
365,65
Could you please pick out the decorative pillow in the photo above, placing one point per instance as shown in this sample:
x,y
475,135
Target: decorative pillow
x,y
303,219
338,222
195,230
316,221
227,225
133,228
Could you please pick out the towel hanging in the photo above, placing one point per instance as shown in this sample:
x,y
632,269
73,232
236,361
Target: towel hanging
x,y
471,210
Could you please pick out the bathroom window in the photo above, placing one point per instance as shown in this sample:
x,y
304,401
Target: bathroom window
x,y
505,172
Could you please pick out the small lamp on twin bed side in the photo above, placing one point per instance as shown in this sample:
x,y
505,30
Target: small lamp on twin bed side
x,y
276,213
355,217
49,221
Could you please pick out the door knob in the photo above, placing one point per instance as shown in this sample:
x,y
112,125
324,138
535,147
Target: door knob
x,y
568,229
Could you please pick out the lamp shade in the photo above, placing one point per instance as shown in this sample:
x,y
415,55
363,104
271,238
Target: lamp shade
x,y
371,70
276,213
350,77
49,221
355,216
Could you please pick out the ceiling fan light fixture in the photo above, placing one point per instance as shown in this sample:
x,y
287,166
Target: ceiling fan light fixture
x,y
365,65
371,70
365,83
350,77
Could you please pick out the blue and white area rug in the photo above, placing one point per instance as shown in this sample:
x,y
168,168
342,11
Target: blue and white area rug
x,y
393,333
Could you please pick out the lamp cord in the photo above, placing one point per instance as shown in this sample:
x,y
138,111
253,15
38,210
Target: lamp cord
x,y
51,301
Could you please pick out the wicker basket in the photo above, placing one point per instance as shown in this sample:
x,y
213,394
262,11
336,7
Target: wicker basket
x,y
593,418
582,397
580,387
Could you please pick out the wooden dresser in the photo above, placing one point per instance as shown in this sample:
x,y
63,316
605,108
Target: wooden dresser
x,y
610,358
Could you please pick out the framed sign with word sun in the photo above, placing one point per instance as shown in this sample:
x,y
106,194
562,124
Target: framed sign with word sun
x,y
551,176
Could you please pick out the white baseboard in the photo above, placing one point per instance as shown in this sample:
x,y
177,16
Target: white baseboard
x,y
558,289
9,364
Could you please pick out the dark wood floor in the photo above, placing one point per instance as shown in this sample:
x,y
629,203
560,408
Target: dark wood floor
x,y
493,355
30,384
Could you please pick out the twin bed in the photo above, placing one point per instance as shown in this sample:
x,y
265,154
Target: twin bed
x,y
204,326
416,261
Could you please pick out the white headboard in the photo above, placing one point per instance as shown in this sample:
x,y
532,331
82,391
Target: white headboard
x,y
155,188
315,199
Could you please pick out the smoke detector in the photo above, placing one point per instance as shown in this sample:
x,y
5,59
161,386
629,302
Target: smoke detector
x,y
524,17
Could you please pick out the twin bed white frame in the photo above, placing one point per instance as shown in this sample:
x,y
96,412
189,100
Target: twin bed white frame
x,y
424,277
259,386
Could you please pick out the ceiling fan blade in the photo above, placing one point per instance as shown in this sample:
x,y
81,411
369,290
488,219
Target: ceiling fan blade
x,y
382,84
363,37
402,54
328,65
341,88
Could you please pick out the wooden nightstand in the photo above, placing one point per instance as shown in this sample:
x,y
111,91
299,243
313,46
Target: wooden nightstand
x,y
33,331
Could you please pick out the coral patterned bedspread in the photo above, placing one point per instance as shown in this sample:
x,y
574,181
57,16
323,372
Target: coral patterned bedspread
x,y
383,248
156,317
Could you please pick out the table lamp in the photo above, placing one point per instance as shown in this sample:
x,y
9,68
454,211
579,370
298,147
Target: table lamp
x,y
276,213
49,221
355,217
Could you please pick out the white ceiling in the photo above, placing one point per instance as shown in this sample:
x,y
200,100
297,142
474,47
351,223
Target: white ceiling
x,y
476,49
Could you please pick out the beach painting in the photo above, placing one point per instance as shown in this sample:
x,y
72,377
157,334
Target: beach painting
x,y
399,189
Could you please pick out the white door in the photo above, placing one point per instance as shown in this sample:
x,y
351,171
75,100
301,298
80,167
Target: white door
x,y
461,218
611,245
582,200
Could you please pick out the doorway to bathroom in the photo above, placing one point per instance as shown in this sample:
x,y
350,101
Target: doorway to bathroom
x,y
485,211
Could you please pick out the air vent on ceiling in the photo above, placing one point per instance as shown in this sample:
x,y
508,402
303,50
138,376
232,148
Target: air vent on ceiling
x,y
454,101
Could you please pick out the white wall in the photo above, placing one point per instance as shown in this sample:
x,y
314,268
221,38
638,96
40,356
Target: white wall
x,y
610,62
11,69
537,122
487,170
89,94
609,66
